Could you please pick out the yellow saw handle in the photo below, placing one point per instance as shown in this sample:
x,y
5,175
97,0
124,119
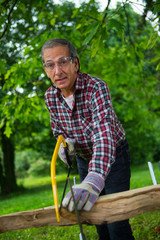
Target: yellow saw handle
x,y
53,174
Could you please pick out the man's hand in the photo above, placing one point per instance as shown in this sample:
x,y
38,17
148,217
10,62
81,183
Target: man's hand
x,y
85,193
71,150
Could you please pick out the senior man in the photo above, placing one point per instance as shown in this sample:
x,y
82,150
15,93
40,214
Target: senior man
x,y
81,110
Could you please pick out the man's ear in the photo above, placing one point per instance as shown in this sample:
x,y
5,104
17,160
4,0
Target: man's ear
x,y
77,61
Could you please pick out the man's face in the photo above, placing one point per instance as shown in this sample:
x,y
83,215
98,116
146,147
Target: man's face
x,y
63,75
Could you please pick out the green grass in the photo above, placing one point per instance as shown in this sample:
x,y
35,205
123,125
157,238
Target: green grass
x,y
38,194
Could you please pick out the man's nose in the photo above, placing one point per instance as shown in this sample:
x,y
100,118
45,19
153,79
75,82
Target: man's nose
x,y
58,69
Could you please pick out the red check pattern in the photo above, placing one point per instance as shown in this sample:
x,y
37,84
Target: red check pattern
x,y
92,122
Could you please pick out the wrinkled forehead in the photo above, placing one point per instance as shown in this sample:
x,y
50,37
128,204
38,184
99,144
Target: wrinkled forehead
x,y
55,53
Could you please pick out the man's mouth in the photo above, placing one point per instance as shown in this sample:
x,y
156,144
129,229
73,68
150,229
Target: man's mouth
x,y
61,79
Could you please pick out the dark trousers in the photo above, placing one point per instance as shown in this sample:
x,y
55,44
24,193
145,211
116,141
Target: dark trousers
x,y
118,180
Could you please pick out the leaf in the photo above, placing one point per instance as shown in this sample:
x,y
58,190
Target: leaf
x,y
156,59
113,23
156,7
95,47
89,37
79,26
22,7
2,123
8,130
52,21
152,41
158,67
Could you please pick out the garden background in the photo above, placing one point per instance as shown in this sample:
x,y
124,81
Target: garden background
x,y
118,45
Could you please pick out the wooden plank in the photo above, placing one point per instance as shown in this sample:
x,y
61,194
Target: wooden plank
x,y
107,209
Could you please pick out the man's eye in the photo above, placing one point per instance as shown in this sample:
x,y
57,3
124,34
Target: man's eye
x,y
63,62
50,65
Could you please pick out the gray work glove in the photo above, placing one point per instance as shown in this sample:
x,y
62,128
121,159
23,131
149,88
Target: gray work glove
x,y
86,193
71,150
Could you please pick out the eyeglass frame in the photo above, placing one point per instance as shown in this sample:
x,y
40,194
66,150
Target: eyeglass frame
x,y
58,64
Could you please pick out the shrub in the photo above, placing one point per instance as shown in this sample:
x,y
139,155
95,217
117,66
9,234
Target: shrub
x,y
39,168
23,161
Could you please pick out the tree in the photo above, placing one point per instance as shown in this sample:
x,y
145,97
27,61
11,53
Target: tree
x,y
111,38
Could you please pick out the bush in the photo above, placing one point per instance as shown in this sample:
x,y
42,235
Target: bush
x,y
23,161
39,168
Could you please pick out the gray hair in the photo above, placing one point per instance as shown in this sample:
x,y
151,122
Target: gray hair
x,y
59,42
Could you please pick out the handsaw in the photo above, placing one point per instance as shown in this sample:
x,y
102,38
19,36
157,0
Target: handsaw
x,y
53,174
54,184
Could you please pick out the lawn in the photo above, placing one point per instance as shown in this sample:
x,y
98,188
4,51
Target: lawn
x,y
38,194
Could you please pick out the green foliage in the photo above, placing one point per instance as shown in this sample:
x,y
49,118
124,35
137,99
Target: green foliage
x,y
39,168
128,68
30,163
23,162
117,45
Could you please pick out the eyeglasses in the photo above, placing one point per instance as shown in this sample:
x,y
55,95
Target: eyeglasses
x,y
62,63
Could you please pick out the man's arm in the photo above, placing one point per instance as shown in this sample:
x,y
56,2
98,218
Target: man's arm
x,y
106,129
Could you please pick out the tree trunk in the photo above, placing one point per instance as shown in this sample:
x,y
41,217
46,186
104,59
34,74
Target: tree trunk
x,y
9,184
2,179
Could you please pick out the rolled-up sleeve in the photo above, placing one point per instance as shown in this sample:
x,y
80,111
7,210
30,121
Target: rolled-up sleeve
x,y
104,131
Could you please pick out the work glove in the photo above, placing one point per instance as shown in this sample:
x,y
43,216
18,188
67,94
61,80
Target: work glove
x,y
71,150
86,193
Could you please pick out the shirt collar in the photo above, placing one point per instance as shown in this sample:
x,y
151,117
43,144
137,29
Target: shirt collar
x,y
79,82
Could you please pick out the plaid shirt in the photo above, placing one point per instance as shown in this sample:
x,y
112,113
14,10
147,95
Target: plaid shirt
x,y
92,122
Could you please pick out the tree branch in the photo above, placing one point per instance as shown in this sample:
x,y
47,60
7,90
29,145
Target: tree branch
x,y
106,12
8,19
109,208
131,41
103,21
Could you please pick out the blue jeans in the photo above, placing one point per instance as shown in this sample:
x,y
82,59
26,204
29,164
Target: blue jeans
x,y
118,180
